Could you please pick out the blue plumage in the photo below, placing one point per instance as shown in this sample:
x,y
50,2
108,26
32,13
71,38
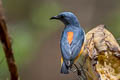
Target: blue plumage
x,y
70,50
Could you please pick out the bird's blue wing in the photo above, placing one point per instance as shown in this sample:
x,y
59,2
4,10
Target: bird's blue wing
x,y
77,44
65,49
71,51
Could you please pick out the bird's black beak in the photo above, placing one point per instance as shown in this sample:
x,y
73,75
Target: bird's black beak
x,y
54,17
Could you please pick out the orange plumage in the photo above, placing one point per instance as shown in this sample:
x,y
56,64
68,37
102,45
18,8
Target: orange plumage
x,y
70,37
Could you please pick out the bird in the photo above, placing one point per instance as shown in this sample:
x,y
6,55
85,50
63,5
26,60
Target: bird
x,y
72,40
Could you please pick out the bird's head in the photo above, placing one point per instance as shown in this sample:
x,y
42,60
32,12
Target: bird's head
x,y
67,18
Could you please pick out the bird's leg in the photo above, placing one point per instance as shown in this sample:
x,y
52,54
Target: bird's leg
x,y
79,73
72,69
77,69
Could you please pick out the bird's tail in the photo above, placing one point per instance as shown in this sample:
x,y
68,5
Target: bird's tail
x,y
64,69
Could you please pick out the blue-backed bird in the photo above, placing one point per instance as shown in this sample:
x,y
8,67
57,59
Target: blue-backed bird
x,y
72,40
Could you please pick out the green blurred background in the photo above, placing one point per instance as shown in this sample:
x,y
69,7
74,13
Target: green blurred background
x,y
35,38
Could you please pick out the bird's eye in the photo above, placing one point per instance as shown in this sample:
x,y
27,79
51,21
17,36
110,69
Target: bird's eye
x,y
62,16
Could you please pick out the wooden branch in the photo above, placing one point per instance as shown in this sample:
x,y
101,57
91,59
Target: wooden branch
x,y
5,40
103,61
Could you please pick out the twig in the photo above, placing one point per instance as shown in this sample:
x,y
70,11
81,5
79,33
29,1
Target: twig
x,y
4,37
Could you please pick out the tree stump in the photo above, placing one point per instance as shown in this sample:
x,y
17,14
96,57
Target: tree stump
x,y
101,57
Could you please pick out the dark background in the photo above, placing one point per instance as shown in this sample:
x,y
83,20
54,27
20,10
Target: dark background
x,y
35,38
